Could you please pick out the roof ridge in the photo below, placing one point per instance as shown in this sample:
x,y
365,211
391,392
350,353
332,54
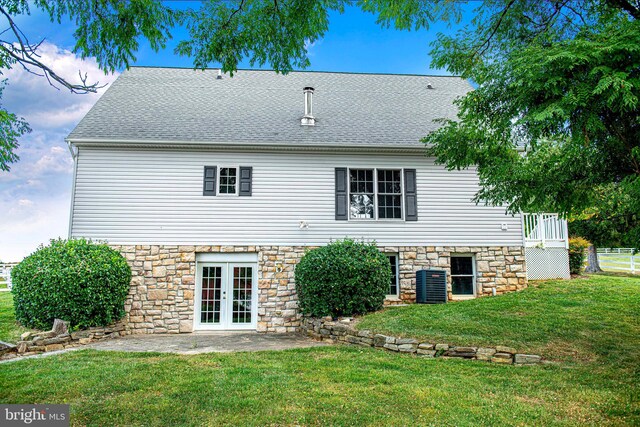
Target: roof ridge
x,y
299,71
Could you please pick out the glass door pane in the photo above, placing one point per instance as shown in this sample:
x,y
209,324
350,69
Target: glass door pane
x,y
242,295
211,297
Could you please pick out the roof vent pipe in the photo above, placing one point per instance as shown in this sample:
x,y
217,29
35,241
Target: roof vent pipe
x,y
429,86
219,77
308,119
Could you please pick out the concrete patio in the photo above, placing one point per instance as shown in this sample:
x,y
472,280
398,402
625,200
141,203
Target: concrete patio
x,y
206,342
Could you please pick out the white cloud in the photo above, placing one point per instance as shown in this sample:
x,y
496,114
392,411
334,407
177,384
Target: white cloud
x,y
44,106
35,194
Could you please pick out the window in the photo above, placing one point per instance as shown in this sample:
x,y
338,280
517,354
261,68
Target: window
x,y
389,194
463,275
375,194
228,178
394,285
362,194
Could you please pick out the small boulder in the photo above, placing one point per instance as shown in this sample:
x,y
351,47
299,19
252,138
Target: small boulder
x,y
527,359
60,327
503,349
502,358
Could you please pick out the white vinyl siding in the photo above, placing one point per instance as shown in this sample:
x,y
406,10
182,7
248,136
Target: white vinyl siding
x,y
155,196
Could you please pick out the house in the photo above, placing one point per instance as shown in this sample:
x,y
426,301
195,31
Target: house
x,y
214,186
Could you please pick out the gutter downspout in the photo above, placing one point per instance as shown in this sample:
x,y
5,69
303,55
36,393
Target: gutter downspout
x,y
74,155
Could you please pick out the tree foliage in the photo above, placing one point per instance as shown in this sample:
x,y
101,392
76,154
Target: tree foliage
x,y
552,126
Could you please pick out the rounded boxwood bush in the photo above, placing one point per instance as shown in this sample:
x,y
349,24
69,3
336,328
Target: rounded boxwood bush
x,y
75,280
343,278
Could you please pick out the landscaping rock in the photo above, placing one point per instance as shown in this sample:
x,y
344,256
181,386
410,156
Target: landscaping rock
x,y
465,352
22,347
53,347
425,346
391,347
425,352
444,347
502,358
60,327
25,336
401,341
51,341
503,349
484,353
406,348
379,340
527,359
5,347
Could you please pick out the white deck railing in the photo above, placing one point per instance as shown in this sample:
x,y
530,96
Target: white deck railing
x,y
544,230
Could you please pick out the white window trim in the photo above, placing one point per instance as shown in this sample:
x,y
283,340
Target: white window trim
x,y
375,195
474,276
395,296
219,176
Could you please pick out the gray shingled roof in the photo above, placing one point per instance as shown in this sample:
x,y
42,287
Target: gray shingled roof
x,y
183,105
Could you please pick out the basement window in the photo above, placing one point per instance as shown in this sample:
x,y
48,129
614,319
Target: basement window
x,y
394,286
463,276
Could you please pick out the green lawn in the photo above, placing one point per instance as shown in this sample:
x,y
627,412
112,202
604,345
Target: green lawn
x,y
595,319
10,330
362,386
321,386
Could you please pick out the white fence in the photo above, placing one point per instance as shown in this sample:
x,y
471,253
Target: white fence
x,y
5,275
619,259
544,230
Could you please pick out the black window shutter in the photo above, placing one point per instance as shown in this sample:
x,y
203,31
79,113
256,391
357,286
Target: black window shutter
x,y
410,198
209,185
246,173
341,194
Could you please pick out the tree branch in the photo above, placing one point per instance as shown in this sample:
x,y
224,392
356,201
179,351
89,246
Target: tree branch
x,y
626,6
25,54
485,45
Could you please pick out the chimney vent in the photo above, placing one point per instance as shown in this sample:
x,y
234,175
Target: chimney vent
x,y
219,77
308,119
429,86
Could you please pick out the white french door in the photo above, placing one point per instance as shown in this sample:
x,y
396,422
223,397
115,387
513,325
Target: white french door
x,y
226,296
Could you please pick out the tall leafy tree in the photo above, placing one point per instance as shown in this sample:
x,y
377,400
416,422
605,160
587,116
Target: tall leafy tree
x,y
554,123
552,126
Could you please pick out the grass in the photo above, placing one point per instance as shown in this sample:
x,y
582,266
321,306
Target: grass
x,y
10,330
320,386
597,319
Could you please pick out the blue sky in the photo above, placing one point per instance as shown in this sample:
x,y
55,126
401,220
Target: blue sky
x,y
35,194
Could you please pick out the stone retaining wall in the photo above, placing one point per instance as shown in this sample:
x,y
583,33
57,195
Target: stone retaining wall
x,y
162,294
54,340
343,331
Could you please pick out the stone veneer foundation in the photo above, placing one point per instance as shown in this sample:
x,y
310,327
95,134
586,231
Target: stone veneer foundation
x,y
161,298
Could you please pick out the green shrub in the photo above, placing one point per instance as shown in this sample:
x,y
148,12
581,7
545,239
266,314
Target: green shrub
x,y
75,280
577,246
343,278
